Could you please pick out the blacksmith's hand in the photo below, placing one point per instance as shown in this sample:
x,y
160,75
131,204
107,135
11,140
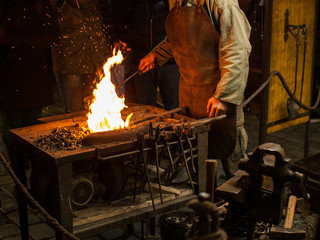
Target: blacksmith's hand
x,y
216,107
147,63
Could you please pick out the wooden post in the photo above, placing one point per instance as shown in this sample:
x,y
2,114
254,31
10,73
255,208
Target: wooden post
x,y
211,172
202,156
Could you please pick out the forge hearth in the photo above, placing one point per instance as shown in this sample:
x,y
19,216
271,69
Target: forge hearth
x,y
69,132
62,165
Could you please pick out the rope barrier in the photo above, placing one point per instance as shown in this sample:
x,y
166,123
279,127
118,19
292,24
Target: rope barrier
x,y
52,222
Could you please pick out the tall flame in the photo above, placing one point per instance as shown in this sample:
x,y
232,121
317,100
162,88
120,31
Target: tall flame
x,y
104,114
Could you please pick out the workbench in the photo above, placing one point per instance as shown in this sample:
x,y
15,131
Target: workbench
x,y
90,221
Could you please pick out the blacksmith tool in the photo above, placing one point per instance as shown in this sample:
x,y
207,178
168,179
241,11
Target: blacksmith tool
x,y
164,136
178,167
155,138
137,173
175,110
128,78
203,121
91,97
286,232
178,134
186,134
177,127
140,138
290,212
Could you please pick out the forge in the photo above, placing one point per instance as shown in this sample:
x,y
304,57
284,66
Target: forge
x,y
88,190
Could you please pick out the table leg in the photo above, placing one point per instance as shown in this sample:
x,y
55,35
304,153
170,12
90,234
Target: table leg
x,y
151,227
18,163
62,195
202,157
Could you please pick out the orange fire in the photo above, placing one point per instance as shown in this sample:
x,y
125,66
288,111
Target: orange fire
x,y
104,114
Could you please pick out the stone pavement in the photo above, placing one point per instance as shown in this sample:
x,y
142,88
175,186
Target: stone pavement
x,y
9,218
38,229
292,140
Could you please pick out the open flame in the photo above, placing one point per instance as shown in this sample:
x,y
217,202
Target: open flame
x,y
104,114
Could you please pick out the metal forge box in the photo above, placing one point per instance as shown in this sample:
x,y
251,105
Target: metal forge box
x,y
60,168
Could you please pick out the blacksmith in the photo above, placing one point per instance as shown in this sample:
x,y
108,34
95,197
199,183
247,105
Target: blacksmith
x,y
209,40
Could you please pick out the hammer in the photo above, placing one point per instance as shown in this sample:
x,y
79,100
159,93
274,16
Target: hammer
x,y
286,232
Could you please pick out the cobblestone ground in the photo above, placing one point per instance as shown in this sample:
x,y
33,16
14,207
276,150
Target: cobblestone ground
x,y
38,228
292,140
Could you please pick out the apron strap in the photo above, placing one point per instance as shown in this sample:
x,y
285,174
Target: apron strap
x,y
210,9
180,3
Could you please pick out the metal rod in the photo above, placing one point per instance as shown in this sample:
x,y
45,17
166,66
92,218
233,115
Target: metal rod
x,y
175,110
127,79
148,178
186,163
169,153
136,179
158,169
191,155
140,138
144,149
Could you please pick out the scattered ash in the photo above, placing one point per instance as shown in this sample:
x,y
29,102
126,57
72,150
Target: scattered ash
x,y
65,138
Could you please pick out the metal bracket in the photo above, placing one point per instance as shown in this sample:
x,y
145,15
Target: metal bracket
x,y
286,25
295,28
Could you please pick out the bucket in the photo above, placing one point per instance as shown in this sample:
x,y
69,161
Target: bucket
x,y
176,225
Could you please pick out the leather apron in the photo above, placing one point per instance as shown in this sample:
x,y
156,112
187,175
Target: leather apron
x,y
195,42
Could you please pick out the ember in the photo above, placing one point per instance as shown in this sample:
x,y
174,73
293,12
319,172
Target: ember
x,y
65,138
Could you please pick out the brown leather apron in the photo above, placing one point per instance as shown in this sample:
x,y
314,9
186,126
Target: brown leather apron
x,y
194,43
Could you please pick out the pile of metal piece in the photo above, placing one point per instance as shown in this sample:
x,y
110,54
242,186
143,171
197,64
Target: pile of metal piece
x,y
64,138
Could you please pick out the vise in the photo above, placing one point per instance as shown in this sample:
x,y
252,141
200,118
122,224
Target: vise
x,y
261,185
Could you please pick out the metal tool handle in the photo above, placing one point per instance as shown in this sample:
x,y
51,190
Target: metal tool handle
x,y
127,79
203,121
175,110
